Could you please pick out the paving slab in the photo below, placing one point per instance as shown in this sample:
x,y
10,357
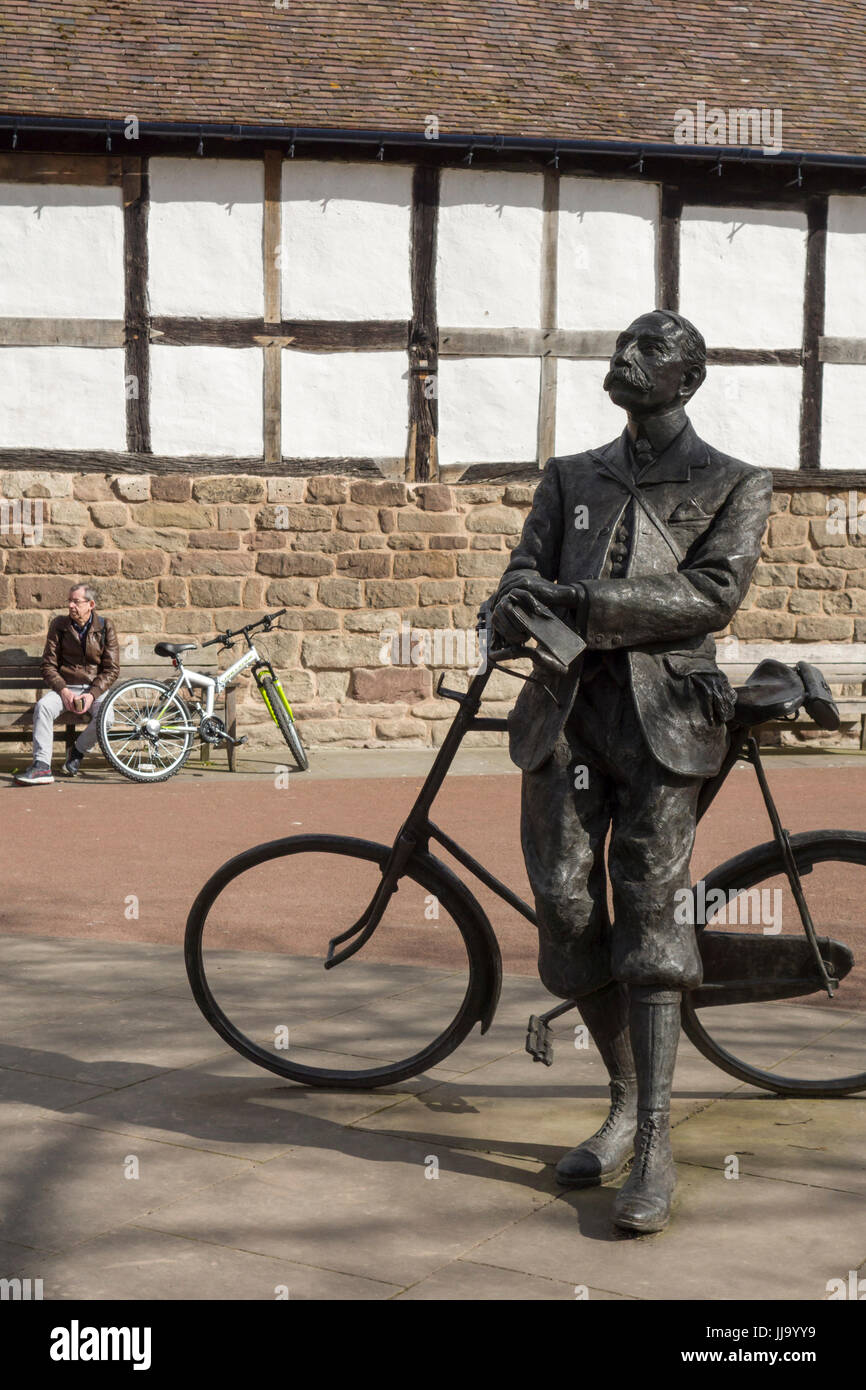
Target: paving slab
x,y
228,1105
753,1238
819,1143
62,1183
359,1203
133,1263
464,1280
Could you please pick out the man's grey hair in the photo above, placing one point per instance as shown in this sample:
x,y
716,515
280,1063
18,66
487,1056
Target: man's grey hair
x,y
694,347
89,591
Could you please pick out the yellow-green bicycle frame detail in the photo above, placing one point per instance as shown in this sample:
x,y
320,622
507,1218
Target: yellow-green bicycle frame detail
x,y
264,695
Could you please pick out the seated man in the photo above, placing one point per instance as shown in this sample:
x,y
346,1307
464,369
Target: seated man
x,y
80,661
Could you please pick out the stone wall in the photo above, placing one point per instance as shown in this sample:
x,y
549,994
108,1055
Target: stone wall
x,y
354,561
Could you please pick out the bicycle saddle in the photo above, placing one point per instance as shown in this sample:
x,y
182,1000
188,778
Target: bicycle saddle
x,y
772,691
173,648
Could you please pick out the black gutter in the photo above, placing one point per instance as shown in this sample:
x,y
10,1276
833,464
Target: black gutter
x,y
397,139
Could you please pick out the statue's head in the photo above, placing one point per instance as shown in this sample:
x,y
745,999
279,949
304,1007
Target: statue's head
x,y
659,361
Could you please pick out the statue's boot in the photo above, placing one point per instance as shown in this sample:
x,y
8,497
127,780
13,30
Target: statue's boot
x,y
605,1153
643,1203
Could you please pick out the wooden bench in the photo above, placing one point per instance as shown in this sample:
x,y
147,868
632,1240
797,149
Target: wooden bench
x,y
838,669
24,673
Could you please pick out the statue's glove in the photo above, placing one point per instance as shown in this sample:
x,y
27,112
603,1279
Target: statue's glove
x,y
528,594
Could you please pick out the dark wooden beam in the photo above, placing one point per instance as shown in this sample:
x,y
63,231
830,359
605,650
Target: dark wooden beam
x,y
87,170
668,269
851,351
813,328
752,357
306,335
421,459
136,201
104,461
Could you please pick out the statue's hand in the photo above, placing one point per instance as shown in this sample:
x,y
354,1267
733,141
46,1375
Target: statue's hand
x,y
553,595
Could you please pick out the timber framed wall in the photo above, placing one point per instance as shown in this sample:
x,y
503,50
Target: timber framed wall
x,y
807,238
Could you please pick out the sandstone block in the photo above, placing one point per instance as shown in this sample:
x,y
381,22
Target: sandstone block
x,y
143,564
495,520
293,593
94,539
132,487
405,728
366,564
350,731
388,593
804,601
808,503
327,489
368,620
283,564
354,518
482,564
74,563
433,497
212,562
816,577
432,591
407,541
91,487
232,518
331,685
172,593
519,494
16,624
440,522
67,512
26,483
173,487
340,593
449,542
821,629
388,683
431,564
286,489
229,489
379,494
767,574
108,514
340,653
760,626
213,593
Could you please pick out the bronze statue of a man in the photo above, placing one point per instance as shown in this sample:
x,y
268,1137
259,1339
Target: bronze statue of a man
x,y
648,544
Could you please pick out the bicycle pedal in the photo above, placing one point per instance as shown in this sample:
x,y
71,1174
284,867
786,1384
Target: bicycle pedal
x,y
539,1041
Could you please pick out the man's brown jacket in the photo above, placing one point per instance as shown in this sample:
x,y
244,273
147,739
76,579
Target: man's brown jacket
x,y
64,664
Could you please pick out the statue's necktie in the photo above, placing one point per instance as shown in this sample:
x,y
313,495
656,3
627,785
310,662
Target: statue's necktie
x,y
644,454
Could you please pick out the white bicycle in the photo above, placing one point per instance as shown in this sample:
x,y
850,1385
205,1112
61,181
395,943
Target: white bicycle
x,y
146,730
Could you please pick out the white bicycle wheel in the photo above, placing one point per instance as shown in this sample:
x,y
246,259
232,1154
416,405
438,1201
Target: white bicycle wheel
x,y
144,732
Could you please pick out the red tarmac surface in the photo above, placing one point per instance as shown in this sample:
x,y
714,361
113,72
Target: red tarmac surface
x,y
75,851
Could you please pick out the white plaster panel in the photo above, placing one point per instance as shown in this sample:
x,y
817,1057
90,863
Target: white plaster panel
x,y
206,400
344,404
845,310
488,271
742,275
205,237
61,251
62,398
606,266
586,417
752,413
345,240
843,424
488,409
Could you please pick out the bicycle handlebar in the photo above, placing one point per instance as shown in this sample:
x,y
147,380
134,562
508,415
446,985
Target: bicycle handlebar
x,y
224,638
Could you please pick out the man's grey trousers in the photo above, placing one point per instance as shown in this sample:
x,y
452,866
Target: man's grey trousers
x,y
48,707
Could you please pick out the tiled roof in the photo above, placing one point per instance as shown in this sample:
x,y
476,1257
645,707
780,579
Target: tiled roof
x,y
618,69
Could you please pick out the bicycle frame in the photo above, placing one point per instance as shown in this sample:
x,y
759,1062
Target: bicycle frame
x,y
418,829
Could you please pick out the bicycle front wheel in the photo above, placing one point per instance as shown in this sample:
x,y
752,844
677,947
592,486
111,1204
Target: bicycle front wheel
x,y
257,937
285,723
144,732
808,1045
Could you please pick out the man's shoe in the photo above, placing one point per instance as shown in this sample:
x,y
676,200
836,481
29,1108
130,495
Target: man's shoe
x,y
606,1153
643,1203
36,774
73,762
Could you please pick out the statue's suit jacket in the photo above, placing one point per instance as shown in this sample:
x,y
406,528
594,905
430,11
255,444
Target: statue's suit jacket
x,y
663,611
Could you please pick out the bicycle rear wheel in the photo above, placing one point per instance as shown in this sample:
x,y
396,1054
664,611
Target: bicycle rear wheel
x,y
808,1045
256,940
143,733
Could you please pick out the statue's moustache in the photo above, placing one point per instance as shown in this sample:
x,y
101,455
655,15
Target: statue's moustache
x,y
630,375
